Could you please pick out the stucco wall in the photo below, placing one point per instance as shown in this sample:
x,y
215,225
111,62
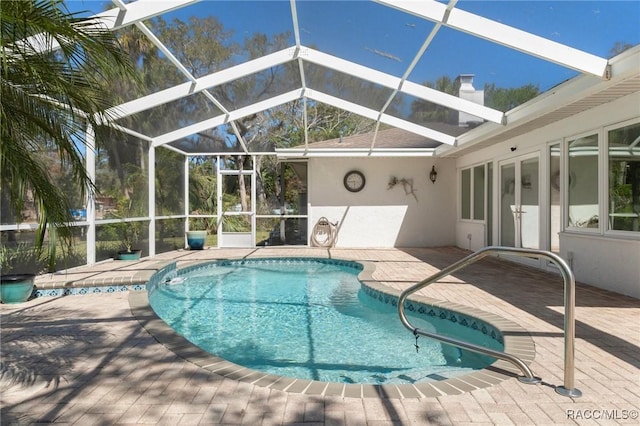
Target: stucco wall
x,y
603,262
470,235
382,217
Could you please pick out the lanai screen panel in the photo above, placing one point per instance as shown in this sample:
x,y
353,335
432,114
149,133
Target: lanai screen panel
x,y
584,25
422,41
363,32
325,136
171,116
425,113
257,87
453,52
122,190
348,87
157,71
219,139
281,126
169,176
209,36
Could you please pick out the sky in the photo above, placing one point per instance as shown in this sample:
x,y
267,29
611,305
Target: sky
x,y
388,40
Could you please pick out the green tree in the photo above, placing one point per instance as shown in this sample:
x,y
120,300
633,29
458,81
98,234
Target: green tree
x,y
502,99
428,112
618,48
203,189
124,154
54,65
505,99
169,182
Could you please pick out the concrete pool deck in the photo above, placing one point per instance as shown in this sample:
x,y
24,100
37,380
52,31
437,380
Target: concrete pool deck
x,y
86,359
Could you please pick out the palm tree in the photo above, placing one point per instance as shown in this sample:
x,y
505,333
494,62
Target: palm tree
x,y
54,68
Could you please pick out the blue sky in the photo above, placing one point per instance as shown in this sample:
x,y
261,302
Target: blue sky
x,y
386,39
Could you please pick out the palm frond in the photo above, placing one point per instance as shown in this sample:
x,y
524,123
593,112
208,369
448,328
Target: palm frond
x,y
50,97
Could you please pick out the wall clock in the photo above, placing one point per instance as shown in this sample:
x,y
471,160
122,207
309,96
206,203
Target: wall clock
x,y
354,181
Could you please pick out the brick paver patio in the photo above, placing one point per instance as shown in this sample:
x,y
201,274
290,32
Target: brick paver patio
x,y
86,360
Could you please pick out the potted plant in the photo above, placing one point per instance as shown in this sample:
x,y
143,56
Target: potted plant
x,y
127,229
130,232
19,266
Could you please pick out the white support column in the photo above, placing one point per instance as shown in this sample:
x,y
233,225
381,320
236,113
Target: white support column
x,y
219,199
253,200
186,198
90,165
152,200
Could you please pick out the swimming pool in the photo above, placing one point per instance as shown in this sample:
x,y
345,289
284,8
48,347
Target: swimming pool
x,y
312,319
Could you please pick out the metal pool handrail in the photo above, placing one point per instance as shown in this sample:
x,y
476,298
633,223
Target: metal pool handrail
x,y
569,314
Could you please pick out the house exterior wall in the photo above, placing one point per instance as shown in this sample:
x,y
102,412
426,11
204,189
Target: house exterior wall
x,y
610,263
598,257
379,216
470,235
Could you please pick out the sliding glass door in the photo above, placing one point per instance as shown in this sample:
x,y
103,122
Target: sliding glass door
x,y
519,214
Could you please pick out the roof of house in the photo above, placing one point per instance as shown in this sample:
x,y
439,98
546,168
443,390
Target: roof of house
x,y
387,138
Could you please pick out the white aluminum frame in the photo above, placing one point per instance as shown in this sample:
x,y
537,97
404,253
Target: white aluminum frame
x,y
442,14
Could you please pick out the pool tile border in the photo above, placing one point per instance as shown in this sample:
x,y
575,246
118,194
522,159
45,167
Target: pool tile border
x,y
515,339
74,284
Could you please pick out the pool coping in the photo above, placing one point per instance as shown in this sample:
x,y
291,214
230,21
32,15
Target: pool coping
x,y
111,276
517,341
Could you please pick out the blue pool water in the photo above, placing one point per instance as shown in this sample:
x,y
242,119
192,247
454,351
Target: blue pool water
x,y
308,319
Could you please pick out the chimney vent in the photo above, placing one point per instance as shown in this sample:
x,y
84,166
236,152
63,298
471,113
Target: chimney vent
x,y
466,83
468,92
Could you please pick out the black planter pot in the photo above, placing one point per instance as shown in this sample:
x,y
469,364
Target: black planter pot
x,y
16,288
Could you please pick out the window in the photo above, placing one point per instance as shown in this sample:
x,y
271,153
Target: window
x,y
473,193
478,193
466,191
583,182
554,198
624,178
489,204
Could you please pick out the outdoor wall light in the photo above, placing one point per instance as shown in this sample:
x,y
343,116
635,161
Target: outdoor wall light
x,y
433,175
